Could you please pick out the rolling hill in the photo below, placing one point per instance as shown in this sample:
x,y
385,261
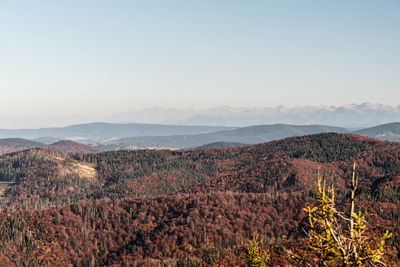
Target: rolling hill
x,y
8,145
221,145
278,166
47,140
107,136
98,131
390,132
67,146
149,207
246,135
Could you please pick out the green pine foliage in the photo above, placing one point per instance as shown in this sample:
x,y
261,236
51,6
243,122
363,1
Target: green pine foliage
x,y
337,240
255,254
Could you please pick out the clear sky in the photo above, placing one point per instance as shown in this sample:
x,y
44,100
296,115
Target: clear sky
x,y
85,57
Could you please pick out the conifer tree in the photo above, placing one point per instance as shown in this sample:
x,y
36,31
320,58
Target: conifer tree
x,y
255,255
337,239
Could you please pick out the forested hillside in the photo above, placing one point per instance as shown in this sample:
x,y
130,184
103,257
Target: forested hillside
x,y
186,206
67,146
8,145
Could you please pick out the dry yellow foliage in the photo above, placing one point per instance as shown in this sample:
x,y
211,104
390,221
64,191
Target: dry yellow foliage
x,y
337,239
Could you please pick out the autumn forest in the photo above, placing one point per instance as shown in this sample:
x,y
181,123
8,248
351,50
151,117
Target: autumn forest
x,y
195,207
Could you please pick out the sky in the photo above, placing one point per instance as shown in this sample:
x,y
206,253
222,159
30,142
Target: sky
x,y
85,58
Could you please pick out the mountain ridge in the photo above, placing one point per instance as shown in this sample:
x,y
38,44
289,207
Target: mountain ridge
x,y
97,131
8,145
389,131
11,145
68,146
246,135
348,116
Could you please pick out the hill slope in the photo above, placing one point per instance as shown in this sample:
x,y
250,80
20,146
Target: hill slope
x,y
95,132
67,146
390,132
246,135
8,145
276,167
159,207
39,178
221,145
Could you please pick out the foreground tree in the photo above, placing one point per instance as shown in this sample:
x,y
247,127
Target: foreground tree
x,y
337,239
255,254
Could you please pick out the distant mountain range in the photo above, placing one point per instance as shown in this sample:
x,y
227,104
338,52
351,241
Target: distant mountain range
x,y
246,135
99,131
229,137
350,116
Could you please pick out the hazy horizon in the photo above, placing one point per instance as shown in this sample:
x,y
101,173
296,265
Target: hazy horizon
x,y
342,116
66,62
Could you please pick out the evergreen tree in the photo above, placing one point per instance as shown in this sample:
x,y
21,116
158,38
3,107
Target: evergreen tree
x,y
337,239
255,255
